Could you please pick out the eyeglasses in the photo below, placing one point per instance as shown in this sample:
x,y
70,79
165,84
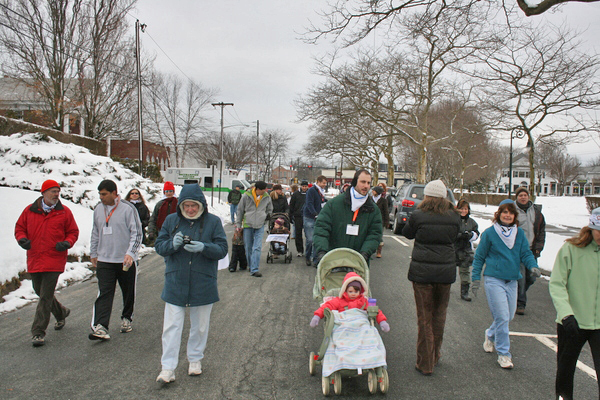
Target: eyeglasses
x,y
134,193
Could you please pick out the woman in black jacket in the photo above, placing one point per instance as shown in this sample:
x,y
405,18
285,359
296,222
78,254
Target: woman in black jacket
x,y
134,196
280,204
434,226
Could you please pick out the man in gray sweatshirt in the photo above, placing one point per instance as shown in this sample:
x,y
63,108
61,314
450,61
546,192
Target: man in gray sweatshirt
x,y
116,240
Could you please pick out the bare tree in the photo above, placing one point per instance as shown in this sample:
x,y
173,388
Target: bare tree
x,y
559,164
545,5
237,148
273,144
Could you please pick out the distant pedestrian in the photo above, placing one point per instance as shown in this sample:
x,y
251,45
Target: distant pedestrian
x,y
574,287
164,207
114,247
233,198
296,209
378,195
467,234
134,196
46,229
252,214
238,251
192,241
280,204
314,202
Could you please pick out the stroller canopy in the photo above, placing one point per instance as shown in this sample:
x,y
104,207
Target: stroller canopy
x,y
333,268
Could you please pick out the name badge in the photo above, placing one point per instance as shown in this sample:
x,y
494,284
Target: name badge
x,y
107,230
352,230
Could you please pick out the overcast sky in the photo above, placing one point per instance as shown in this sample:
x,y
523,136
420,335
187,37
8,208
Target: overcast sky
x,y
249,50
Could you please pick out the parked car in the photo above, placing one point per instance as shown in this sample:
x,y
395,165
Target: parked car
x,y
408,197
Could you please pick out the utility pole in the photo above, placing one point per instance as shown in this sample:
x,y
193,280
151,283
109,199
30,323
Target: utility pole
x,y
222,105
257,140
139,27
268,169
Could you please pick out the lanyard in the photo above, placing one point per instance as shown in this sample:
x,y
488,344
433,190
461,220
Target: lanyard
x,y
355,215
111,212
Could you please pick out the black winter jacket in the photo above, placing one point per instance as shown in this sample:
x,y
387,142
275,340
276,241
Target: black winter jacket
x,y
297,203
433,257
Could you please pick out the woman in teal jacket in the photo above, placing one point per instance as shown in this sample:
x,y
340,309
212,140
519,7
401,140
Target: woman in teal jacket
x,y
575,287
192,241
503,247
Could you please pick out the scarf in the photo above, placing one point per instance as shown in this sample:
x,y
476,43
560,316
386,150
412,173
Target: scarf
x,y
508,234
48,208
169,206
322,191
135,201
256,199
357,199
376,198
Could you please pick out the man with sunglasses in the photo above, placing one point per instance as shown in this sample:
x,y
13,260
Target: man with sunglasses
x,y
163,208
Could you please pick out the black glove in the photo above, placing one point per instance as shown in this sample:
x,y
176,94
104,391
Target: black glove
x,y
25,243
571,326
318,257
366,257
62,246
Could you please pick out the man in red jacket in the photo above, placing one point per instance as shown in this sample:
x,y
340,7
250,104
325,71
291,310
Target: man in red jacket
x,y
46,229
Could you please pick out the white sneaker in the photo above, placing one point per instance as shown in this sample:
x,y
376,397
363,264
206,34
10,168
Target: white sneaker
x,y
195,368
166,376
126,325
99,333
488,345
505,362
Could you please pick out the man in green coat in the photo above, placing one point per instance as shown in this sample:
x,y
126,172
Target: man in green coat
x,y
350,220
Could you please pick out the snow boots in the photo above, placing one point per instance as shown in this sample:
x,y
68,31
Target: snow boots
x,y
464,292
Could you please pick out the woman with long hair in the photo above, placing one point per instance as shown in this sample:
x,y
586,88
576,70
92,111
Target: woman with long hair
x,y
134,196
503,247
280,204
574,287
434,226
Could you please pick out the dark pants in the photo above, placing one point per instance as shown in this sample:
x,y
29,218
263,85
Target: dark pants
x,y
431,300
298,226
238,255
524,283
44,284
569,349
108,274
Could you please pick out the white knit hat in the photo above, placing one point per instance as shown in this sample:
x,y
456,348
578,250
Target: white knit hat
x,y
595,219
435,189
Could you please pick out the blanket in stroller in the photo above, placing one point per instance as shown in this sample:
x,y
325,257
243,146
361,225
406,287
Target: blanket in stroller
x,y
355,343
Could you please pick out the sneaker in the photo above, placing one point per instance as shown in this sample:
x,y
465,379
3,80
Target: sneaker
x,y
61,323
195,368
520,310
308,262
166,376
37,341
126,325
256,274
299,255
505,362
488,345
99,333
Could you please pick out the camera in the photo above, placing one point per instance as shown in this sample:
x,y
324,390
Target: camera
x,y
187,240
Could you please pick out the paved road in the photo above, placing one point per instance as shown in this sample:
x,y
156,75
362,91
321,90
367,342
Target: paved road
x,y
259,343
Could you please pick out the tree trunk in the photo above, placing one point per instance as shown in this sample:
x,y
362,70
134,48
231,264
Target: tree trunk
x,y
422,167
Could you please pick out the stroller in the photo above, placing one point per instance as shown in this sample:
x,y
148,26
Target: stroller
x,y
277,248
331,271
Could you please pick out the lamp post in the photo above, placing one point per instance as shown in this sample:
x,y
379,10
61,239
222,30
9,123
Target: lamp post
x,y
515,133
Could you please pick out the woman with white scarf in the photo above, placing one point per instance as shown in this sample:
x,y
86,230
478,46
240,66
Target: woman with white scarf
x,y
503,247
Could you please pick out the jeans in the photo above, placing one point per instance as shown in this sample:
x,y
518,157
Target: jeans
x,y
232,211
309,230
44,284
524,283
569,349
108,274
502,300
431,300
173,327
253,243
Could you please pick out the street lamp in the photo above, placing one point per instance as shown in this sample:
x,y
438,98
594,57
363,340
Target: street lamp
x,y
515,133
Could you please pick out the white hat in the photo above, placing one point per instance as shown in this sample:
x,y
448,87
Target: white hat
x,y
595,219
436,189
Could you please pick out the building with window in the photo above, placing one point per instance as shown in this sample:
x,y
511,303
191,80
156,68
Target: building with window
x,y
520,177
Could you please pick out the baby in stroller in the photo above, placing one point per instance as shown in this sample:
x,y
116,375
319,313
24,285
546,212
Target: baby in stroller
x,y
279,229
279,234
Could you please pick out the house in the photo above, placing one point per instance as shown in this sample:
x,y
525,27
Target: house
x,y
587,183
520,177
283,174
153,153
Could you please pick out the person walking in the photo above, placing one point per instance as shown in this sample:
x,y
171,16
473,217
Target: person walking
x,y
467,234
434,227
574,284
238,251
532,221
278,199
134,196
502,248
114,247
296,215
46,229
378,194
253,212
164,207
190,278
314,202
233,198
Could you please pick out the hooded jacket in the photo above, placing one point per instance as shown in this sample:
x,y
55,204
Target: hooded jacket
x,y
44,231
343,302
249,215
191,278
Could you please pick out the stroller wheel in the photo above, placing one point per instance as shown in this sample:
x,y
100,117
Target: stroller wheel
x,y
325,385
311,363
384,382
337,383
372,381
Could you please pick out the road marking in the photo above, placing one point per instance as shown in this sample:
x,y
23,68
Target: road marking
x,y
545,340
397,239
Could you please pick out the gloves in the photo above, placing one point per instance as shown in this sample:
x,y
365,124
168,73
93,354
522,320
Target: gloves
x,y
62,246
535,272
571,326
25,243
177,240
151,236
194,247
475,287
318,258
365,256
315,321
384,326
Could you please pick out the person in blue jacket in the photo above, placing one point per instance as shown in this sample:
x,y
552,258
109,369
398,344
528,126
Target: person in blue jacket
x,y
315,201
191,241
503,247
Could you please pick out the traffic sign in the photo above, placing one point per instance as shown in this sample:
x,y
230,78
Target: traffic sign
x,y
337,182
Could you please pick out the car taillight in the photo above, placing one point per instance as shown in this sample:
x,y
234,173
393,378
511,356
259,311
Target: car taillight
x,y
408,203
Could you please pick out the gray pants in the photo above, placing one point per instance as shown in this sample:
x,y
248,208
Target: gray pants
x,y
44,284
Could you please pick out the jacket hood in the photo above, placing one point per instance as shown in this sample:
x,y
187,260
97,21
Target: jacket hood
x,y
352,277
191,191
